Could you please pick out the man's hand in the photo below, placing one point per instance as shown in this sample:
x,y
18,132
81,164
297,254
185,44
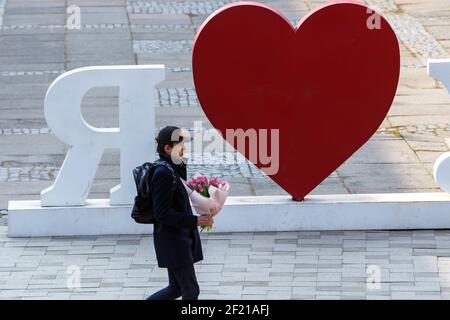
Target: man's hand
x,y
205,220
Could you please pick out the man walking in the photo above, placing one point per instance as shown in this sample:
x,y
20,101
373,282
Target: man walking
x,y
175,233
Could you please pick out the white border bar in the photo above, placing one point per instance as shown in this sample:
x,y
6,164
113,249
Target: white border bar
x,y
246,214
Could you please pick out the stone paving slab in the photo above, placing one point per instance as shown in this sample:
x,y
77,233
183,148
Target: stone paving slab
x,y
292,265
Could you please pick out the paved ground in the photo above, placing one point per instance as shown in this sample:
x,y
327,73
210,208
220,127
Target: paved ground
x,y
35,48
283,265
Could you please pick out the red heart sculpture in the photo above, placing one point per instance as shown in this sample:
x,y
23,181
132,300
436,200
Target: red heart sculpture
x,y
326,84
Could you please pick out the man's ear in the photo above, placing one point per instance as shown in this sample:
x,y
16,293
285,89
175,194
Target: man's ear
x,y
167,149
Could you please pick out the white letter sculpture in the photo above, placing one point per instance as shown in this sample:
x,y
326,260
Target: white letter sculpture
x,y
134,138
440,69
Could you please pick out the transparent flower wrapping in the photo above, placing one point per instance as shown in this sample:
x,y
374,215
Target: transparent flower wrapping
x,y
208,205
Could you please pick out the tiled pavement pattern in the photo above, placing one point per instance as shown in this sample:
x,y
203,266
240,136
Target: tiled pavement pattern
x,y
36,47
270,265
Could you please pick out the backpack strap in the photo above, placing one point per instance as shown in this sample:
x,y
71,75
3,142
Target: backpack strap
x,y
168,166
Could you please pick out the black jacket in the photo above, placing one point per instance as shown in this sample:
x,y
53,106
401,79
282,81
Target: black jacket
x,y
175,234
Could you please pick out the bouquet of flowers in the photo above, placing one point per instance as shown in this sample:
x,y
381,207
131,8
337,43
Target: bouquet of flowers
x,y
207,195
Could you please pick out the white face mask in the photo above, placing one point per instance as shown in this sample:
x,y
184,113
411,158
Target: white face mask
x,y
175,154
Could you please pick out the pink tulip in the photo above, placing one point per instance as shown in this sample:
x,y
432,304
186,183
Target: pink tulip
x,y
200,188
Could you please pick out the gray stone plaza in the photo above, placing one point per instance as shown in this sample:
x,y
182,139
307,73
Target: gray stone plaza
x,y
36,46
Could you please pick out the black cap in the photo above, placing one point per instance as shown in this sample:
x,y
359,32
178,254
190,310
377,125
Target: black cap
x,y
170,134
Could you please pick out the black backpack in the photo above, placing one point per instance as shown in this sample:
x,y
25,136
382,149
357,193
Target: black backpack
x,y
142,211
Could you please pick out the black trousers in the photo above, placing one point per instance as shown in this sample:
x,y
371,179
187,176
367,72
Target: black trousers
x,y
182,282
